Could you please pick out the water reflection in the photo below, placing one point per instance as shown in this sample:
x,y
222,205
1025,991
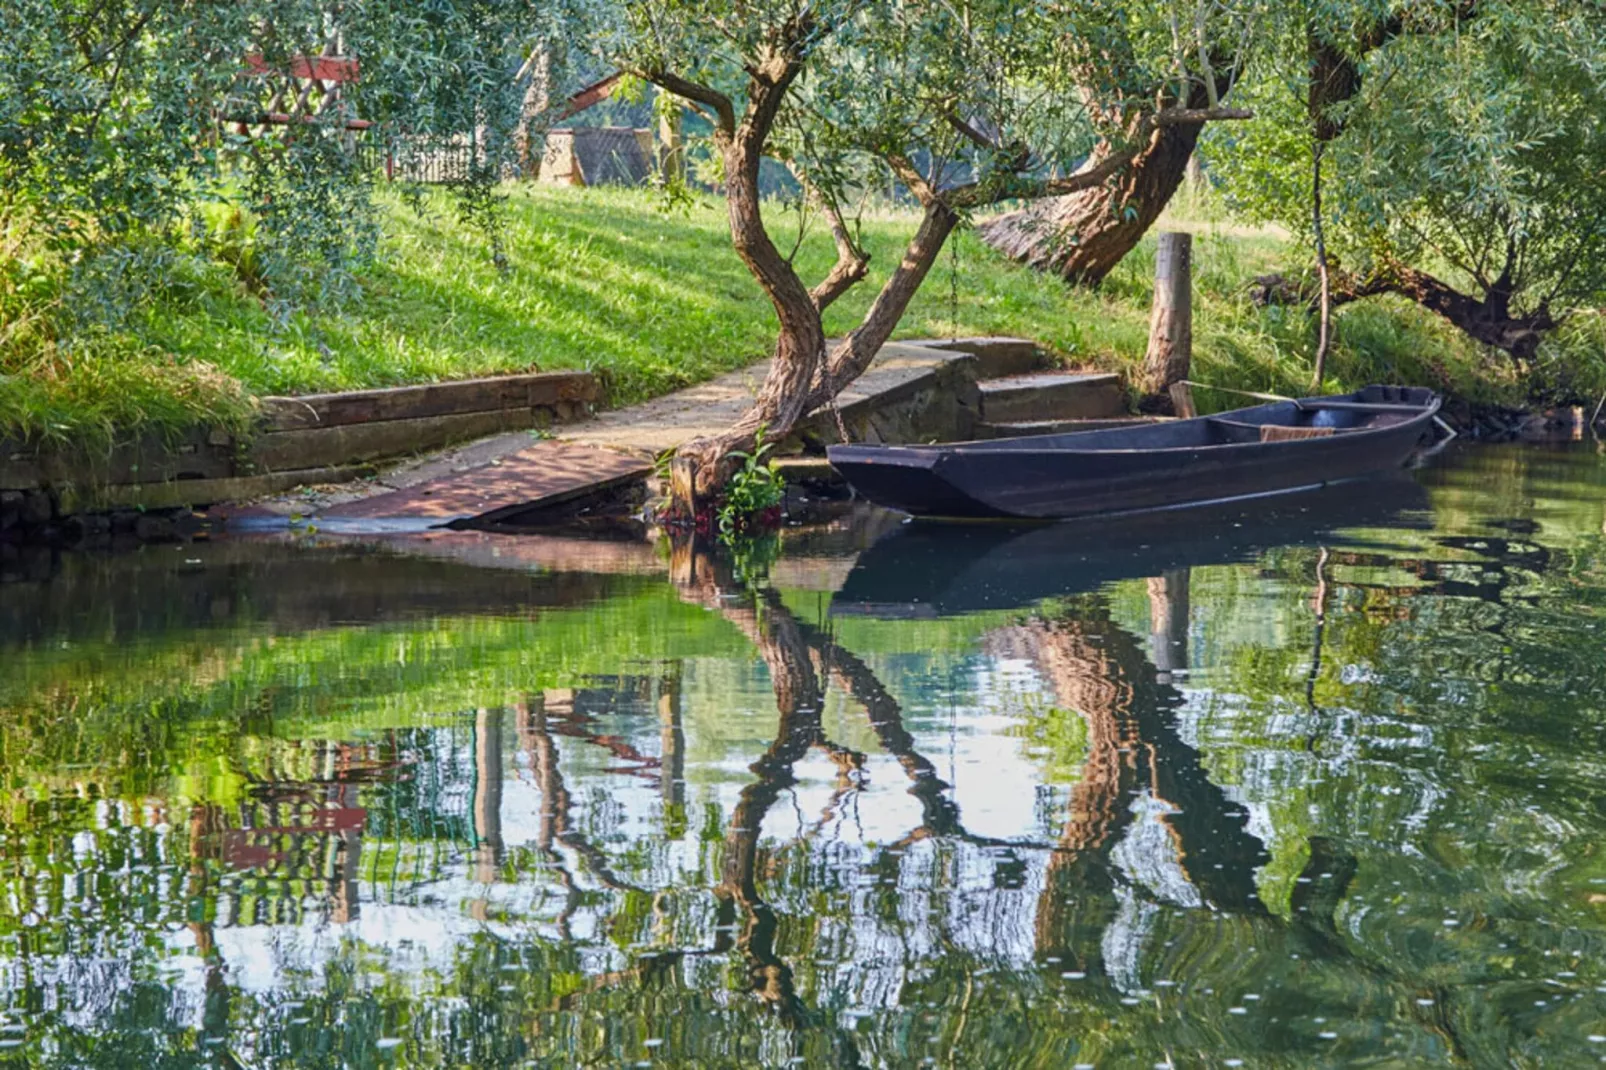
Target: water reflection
x,y
1318,784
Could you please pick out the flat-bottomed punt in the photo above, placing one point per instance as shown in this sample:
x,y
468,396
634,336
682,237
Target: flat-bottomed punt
x,y
1280,446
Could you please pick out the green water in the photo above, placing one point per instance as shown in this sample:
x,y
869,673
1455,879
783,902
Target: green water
x,y
1316,783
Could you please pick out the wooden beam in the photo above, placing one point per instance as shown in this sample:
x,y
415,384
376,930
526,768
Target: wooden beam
x,y
318,68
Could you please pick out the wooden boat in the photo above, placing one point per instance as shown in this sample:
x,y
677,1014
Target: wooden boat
x,y
1280,446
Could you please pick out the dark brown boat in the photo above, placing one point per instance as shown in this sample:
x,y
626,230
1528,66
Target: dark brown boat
x,y
1267,449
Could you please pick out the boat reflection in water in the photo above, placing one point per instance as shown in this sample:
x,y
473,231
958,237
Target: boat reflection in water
x,y
932,569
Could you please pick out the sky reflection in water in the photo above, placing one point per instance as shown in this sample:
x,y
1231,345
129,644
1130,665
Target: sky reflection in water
x,y
1309,783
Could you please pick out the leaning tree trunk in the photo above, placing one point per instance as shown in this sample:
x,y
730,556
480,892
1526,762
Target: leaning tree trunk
x,y
1083,235
802,376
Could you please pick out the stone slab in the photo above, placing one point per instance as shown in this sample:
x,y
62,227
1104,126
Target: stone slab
x,y
996,355
1052,396
546,473
910,394
200,454
553,390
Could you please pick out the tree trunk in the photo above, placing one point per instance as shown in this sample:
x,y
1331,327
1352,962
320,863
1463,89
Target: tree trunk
x,y
1171,323
800,346
1324,318
801,376
853,354
527,147
1487,320
1082,236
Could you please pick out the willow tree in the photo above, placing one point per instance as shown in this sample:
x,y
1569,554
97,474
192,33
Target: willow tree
x,y
1463,173
127,127
967,105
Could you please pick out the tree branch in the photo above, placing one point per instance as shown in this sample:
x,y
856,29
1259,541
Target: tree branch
x,y
708,98
910,176
852,263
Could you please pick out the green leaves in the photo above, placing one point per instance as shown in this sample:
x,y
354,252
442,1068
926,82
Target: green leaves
x,y
1469,148
755,488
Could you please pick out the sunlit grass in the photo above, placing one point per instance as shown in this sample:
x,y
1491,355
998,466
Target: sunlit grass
x,y
654,299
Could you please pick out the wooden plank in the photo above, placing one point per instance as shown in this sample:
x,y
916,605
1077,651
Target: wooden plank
x,y
541,475
148,460
199,492
1359,406
542,390
316,447
593,94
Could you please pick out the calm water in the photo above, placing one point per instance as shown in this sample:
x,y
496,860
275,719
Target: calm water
x,y
1313,785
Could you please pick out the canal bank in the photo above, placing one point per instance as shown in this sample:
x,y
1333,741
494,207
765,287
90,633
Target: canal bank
x,y
534,450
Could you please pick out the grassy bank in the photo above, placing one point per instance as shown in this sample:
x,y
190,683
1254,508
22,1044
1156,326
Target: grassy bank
x,y
653,300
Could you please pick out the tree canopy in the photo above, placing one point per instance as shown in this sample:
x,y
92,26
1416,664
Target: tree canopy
x,y
1462,146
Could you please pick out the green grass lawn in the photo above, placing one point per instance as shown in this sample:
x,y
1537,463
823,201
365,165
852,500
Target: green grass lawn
x,y
653,299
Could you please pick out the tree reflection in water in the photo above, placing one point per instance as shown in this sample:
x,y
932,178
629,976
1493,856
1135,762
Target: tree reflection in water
x,y
556,821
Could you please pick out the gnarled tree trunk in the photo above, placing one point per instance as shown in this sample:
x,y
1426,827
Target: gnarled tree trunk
x,y
1488,319
1083,235
802,376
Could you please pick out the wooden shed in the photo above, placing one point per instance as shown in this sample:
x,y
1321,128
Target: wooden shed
x,y
597,156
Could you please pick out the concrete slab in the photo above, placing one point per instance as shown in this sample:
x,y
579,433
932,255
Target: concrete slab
x,y
544,474
900,371
998,355
1052,396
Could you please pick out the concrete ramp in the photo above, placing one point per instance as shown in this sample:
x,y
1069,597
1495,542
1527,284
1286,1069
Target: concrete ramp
x,y
540,477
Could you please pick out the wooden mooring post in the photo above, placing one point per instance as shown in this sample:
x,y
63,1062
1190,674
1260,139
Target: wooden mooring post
x,y
1171,323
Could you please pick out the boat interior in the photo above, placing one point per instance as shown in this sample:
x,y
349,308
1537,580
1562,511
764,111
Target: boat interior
x,y
1277,421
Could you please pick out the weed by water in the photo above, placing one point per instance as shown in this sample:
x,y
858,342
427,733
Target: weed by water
x,y
752,498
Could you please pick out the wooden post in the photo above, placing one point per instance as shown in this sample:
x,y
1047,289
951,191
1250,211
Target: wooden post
x,y
1171,323
1182,405
683,484
1168,622
487,803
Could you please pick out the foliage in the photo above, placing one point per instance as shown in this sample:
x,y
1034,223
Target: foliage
x,y
132,155
754,492
1471,152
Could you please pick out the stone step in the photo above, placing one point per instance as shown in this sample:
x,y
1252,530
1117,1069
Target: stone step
x,y
1052,396
1062,427
995,356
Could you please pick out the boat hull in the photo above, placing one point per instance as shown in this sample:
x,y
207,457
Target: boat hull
x,y
1186,462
